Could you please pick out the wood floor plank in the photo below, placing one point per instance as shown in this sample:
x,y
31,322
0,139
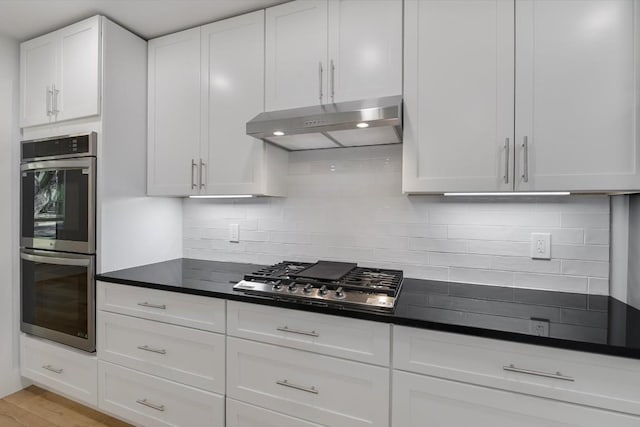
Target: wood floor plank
x,y
35,407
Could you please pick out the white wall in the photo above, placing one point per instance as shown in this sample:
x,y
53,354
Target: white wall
x,y
9,172
346,204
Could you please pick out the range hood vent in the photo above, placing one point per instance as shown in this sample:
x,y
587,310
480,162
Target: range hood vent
x,y
347,124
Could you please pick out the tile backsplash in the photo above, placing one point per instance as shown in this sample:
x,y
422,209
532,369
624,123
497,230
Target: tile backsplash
x,y
347,205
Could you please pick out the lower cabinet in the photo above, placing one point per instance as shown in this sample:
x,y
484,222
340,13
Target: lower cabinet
x,y
317,388
62,369
241,414
151,401
423,401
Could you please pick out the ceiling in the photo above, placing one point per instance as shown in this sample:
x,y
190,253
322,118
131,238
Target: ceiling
x,y
26,19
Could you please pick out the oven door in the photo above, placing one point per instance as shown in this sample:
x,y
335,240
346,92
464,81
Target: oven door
x,y
58,297
58,205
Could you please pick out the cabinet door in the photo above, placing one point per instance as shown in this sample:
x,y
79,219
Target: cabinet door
x,y
78,76
37,76
576,95
296,55
233,93
458,116
421,401
365,49
174,114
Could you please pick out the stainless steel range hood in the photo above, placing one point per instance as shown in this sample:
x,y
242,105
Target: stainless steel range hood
x,y
348,124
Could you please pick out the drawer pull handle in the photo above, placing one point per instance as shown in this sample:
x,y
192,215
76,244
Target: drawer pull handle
x,y
286,383
152,350
52,369
148,404
298,331
556,376
159,306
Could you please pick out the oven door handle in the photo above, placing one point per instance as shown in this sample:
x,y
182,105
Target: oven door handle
x,y
82,262
58,164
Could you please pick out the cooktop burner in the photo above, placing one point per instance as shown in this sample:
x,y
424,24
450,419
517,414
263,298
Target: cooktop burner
x,y
326,283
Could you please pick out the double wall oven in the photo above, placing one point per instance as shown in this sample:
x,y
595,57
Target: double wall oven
x,y
58,249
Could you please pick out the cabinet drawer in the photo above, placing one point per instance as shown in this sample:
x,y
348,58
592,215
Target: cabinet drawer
x,y
180,354
63,370
585,378
244,415
321,389
418,398
171,307
355,339
150,401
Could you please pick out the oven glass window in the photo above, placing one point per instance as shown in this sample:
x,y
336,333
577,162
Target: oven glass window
x,y
55,204
55,297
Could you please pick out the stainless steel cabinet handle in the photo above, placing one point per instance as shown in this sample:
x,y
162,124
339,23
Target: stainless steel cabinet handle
x,y
286,383
152,350
297,331
556,376
159,306
525,170
333,81
49,101
145,402
52,369
202,166
54,92
506,160
320,72
193,178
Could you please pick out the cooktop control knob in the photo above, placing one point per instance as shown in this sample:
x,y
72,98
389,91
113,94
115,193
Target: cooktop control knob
x,y
277,286
339,293
293,287
323,290
308,288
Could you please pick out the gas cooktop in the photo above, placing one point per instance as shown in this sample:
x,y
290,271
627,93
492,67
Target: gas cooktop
x,y
326,283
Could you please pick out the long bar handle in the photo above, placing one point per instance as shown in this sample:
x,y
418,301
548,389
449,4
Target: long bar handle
x,y
333,81
202,167
54,92
320,72
147,304
297,331
145,402
52,369
194,165
152,350
556,376
49,101
506,160
525,170
286,383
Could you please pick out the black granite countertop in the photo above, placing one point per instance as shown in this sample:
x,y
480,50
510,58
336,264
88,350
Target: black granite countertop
x,y
597,324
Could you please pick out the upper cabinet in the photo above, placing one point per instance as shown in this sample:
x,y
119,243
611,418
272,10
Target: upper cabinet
x,y
60,74
320,52
205,84
559,114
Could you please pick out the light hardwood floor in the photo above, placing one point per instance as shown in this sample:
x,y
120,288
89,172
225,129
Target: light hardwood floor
x,y
35,407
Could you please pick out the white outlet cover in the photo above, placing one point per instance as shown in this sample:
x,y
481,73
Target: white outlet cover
x,y
541,245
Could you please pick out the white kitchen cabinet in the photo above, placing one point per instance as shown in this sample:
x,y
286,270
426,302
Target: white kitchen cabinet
x,y
320,52
458,97
232,61
576,95
422,401
174,114
60,74
241,414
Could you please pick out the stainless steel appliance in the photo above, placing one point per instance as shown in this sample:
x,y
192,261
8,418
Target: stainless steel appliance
x,y
57,255
346,124
326,283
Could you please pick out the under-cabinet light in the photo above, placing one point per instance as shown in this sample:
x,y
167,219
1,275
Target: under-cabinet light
x,y
363,125
223,196
517,193
278,133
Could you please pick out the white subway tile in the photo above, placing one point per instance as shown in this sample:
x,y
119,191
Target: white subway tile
x,y
479,276
551,282
499,248
437,245
516,234
598,286
460,260
580,252
525,264
588,220
585,268
596,236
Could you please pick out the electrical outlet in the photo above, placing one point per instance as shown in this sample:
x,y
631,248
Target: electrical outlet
x,y
234,233
539,327
541,245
